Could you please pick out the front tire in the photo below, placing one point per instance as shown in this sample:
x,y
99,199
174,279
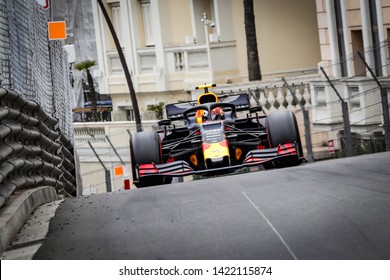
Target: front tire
x,y
282,128
145,147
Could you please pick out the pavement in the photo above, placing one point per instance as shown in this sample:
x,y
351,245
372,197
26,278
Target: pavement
x,y
19,212
335,209
327,210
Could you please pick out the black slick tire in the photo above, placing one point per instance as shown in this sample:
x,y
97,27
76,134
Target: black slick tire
x,y
145,148
282,128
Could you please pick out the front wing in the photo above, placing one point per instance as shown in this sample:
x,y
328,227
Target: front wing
x,y
253,158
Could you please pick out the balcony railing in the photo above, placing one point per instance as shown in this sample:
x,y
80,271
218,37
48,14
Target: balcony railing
x,y
185,58
178,59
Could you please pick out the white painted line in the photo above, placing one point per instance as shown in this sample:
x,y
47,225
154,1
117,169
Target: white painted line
x,y
272,227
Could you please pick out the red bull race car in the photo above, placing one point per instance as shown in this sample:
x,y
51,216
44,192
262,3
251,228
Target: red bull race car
x,y
213,140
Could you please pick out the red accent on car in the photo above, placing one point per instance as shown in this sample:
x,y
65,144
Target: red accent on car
x,y
287,149
147,168
171,160
205,146
252,160
224,143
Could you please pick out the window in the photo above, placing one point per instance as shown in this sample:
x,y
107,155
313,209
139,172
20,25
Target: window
x,y
116,22
358,46
353,97
319,95
148,22
179,61
198,8
130,114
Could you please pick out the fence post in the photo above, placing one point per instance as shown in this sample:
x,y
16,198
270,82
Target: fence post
x,y
306,121
115,151
107,173
254,95
345,112
384,101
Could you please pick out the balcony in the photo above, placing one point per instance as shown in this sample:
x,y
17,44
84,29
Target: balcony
x,y
183,67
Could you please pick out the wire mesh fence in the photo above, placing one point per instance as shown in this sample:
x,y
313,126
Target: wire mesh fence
x,y
312,92
32,65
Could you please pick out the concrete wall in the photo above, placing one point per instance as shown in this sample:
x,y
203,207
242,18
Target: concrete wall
x,y
179,21
91,170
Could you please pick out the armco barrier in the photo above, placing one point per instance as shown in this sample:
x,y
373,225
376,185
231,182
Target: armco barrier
x,y
33,151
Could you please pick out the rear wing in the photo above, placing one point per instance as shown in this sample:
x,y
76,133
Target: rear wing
x,y
175,110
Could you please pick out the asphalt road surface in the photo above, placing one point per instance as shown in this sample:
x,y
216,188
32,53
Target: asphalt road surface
x,y
338,209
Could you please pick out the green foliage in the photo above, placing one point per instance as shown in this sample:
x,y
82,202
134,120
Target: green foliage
x,y
85,65
158,109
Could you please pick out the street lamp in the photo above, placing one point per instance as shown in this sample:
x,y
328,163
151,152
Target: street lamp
x,y
207,22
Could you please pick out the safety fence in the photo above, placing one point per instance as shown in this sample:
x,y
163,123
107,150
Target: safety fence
x,y
346,115
327,130
325,115
33,150
30,64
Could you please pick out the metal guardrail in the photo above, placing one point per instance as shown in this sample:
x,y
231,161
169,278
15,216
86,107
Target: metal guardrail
x,y
33,151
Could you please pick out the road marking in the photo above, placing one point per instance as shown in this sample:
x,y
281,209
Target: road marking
x,y
272,227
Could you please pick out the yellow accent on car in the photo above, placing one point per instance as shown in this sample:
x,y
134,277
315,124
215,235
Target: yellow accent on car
x,y
205,86
207,97
216,150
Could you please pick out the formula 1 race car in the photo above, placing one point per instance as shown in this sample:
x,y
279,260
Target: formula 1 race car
x,y
213,140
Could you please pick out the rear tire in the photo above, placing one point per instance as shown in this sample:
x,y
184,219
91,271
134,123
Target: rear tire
x,y
282,128
145,147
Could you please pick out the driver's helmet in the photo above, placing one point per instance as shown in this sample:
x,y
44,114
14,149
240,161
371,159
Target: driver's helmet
x,y
216,113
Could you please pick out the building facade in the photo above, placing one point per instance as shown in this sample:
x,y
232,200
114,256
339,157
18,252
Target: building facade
x,y
350,26
169,51
346,28
171,46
